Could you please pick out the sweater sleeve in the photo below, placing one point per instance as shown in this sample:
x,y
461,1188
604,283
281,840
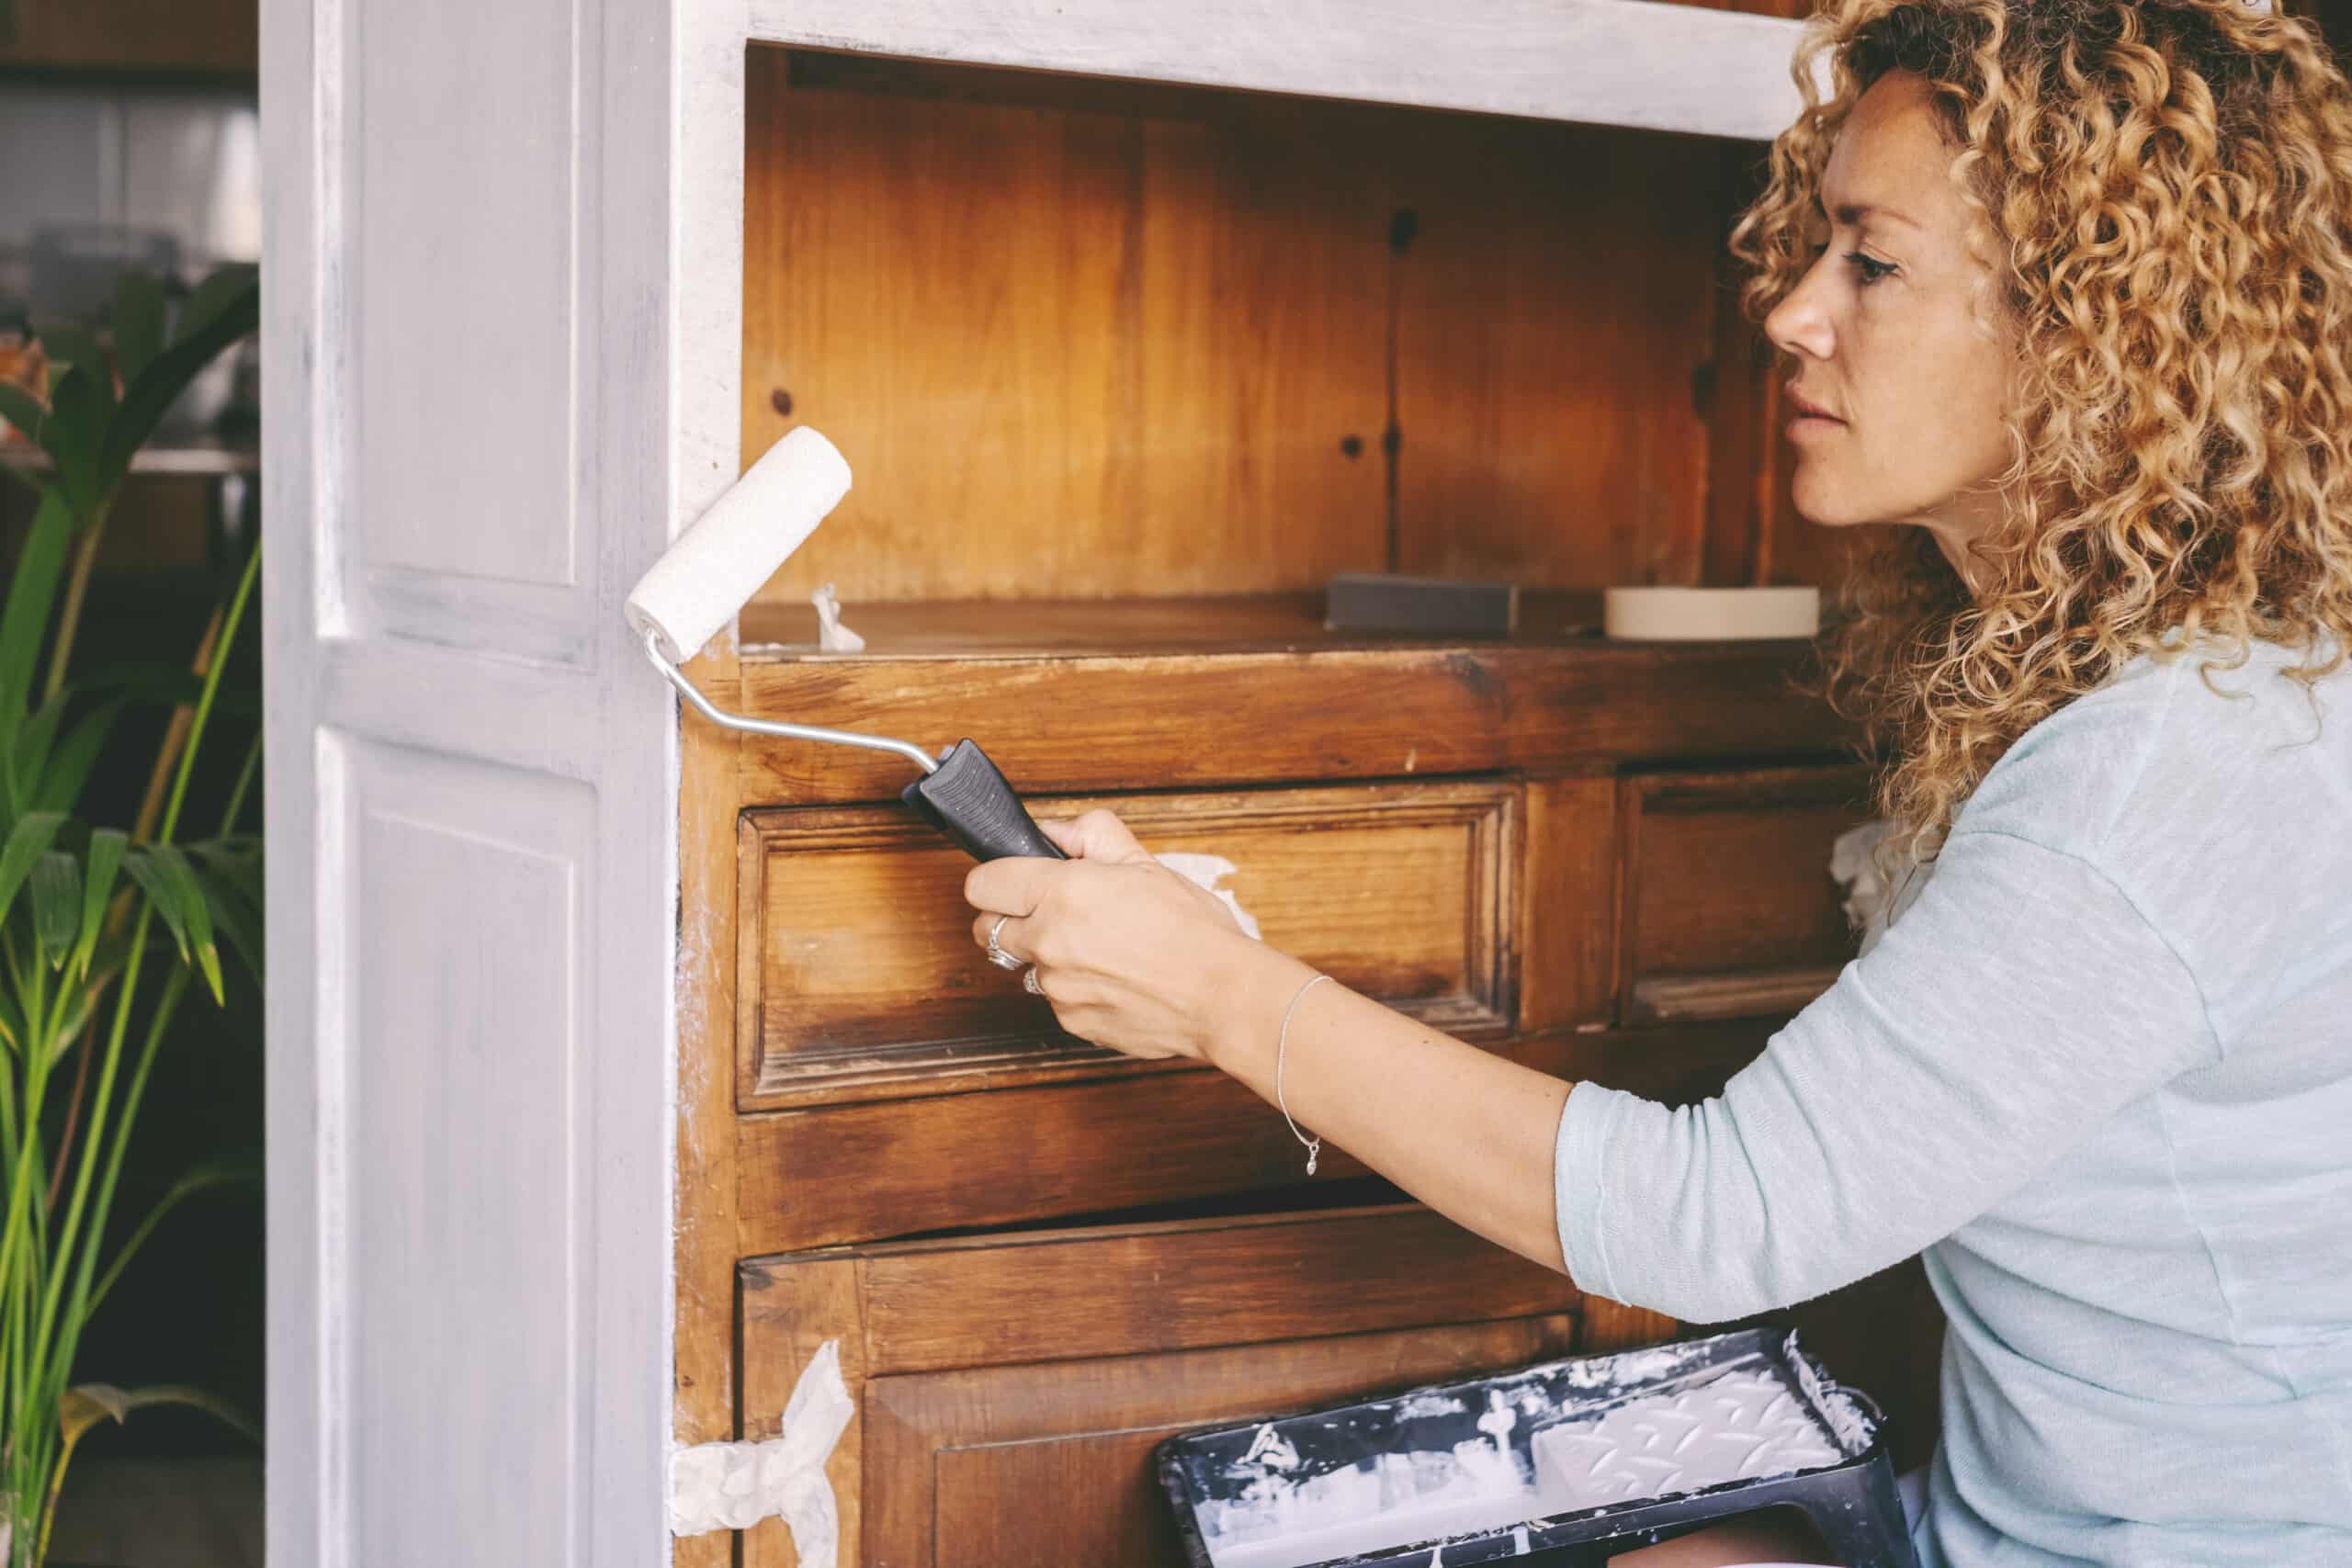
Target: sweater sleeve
x,y
2020,1002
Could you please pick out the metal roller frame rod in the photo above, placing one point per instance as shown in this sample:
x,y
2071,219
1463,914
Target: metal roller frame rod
x,y
725,720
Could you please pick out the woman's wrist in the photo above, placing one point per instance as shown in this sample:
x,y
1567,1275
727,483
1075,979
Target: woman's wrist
x,y
1252,990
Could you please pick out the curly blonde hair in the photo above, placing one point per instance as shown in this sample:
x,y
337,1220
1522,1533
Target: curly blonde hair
x,y
2161,193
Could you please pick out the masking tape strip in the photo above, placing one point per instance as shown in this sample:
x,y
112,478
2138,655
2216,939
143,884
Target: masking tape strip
x,y
732,1487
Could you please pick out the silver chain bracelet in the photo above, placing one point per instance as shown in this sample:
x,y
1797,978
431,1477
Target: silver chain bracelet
x,y
1281,1045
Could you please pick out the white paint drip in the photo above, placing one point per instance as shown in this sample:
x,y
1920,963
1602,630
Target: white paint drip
x,y
832,636
1207,871
716,1486
1838,1407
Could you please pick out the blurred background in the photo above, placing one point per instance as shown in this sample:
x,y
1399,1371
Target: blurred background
x,y
130,139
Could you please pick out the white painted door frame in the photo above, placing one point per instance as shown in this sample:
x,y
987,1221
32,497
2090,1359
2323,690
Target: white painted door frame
x,y
470,371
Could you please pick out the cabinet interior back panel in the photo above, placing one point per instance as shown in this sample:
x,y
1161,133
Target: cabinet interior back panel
x,y
1103,339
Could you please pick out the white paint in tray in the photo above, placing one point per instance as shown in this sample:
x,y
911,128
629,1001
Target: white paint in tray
x,y
1735,1421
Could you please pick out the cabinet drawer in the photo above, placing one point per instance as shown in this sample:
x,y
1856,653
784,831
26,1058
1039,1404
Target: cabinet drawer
x,y
992,1372
1729,906
857,978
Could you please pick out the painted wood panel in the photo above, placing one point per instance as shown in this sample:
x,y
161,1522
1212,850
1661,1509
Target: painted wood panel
x,y
468,780
1602,62
1729,909
1202,343
950,1450
457,900
1169,1134
1056,1303
1138,371
859,978
1106,722
1555,318
463,317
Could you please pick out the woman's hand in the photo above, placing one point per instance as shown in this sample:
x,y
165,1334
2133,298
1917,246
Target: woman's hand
x,y
1132,955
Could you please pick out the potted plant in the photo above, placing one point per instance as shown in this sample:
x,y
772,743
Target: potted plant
x,y
103,928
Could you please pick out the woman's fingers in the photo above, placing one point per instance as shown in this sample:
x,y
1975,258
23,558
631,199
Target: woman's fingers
x,y
1013,886
1008,937
1098,835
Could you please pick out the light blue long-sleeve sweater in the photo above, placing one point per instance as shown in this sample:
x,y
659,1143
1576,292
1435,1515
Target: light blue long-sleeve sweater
x,y
2101,1069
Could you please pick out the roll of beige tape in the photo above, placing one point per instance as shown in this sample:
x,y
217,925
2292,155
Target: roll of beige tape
x,y
1710,615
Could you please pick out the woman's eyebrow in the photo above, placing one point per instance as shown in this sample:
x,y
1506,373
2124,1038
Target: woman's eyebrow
x,y
1851,213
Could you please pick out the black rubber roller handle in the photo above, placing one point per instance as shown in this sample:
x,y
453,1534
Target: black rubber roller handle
x,y
968,800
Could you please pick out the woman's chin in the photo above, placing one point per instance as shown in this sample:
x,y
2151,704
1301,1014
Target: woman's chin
x,y
1821,505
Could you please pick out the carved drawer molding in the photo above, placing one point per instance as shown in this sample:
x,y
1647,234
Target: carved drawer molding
x,y
1729,909
857,978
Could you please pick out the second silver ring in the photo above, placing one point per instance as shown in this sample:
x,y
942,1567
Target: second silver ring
x,y
1029,981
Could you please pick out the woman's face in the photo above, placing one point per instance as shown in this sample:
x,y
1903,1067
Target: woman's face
x,y
1885,339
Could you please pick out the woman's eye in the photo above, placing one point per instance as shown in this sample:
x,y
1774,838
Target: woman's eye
x,y
1870,267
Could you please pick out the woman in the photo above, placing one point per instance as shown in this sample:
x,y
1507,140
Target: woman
x,y
2065,286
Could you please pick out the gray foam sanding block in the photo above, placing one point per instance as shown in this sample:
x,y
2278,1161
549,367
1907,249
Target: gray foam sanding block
x,y
1448,606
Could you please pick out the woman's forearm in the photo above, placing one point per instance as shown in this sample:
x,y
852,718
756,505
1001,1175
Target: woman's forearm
x,y
1463,1129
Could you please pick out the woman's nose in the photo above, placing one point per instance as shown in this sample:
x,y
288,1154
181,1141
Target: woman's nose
x,y
1799,324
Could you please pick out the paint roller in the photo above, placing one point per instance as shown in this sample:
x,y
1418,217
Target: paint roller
x,y
720,562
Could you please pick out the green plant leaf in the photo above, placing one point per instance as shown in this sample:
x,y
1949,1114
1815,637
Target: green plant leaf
x,y
79,419
171,888
24,411
56,888
108,846
165,685
30,755
162,897
59,787
207,299
32,590
67,344
138,322
85,1405
27,841
144,402
236,906
12,1021
212,1173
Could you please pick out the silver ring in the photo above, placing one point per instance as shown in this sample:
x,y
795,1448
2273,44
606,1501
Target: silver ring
x,y
1029,981
997,955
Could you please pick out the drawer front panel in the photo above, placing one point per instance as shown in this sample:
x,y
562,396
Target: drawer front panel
x,y
984,1369
858,978
1730,910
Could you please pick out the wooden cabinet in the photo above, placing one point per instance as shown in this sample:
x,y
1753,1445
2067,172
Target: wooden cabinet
x,y
1195,352
619,1061
1729,909
178,37
1011,1389
861,980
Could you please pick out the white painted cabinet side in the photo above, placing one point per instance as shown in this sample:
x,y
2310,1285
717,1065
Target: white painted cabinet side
x,y
469,349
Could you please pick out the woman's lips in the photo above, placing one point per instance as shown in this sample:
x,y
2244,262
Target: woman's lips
x,y
1811,426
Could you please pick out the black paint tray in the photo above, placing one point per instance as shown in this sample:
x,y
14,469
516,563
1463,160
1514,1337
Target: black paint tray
x,y
1223,1482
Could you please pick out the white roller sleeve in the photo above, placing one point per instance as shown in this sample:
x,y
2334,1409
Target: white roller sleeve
x,y
1685,614
722,559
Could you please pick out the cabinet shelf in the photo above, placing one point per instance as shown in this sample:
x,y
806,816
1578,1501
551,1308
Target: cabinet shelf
x,y
1233,623
190,457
